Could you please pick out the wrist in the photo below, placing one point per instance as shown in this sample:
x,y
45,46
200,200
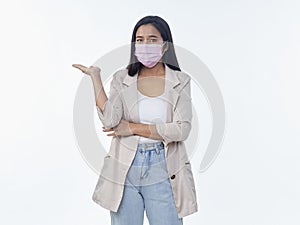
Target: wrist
x,y
95,75
132,127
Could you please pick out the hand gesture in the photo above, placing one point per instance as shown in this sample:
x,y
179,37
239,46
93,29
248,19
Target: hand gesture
x,y
122,129
92,70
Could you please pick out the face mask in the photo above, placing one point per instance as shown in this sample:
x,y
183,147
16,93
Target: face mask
x,y
148,54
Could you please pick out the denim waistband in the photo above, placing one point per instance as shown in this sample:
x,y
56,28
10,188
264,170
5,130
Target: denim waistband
x,y
148,146
151,145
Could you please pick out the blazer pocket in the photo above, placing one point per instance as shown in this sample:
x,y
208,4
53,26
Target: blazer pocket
x,y
190,178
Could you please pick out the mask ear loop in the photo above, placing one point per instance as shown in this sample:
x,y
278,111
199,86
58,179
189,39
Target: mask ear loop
x,y
163,45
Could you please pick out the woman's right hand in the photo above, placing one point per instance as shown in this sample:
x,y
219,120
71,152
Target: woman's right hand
x,y
92,70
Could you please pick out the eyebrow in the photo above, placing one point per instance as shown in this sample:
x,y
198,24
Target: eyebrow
x,y
152,35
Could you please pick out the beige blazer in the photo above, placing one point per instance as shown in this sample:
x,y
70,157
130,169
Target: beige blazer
x,y
122,104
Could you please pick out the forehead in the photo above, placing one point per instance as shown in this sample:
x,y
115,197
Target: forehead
x,y
147,30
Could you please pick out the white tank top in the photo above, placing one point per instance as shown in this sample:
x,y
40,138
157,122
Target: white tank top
x,y
152,110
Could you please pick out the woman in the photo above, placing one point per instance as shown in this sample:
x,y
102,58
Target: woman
x,y
148,114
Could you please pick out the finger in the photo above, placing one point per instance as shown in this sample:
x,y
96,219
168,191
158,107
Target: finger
x,y
108,129
114,133
81,67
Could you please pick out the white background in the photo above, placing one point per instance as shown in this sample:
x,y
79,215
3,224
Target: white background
x,y
251,47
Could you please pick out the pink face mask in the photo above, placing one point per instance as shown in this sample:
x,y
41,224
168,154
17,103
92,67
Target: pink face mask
x,y
148,54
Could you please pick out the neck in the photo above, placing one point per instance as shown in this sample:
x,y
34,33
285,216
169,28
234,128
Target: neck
x,y
158,69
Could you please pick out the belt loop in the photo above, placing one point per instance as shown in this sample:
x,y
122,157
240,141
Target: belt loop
x,y
157,150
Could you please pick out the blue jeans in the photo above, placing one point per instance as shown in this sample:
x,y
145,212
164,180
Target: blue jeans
x,y
147,187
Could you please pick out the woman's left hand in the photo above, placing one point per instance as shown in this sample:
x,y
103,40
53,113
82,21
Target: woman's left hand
x,y
122,129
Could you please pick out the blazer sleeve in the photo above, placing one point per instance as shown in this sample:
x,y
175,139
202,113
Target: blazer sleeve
x,y
113,107
180,127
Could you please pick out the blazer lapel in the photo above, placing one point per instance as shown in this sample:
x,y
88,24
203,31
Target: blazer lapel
x,y
172,84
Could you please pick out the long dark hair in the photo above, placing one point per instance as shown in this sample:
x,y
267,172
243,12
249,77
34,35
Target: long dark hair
x,y
169,57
